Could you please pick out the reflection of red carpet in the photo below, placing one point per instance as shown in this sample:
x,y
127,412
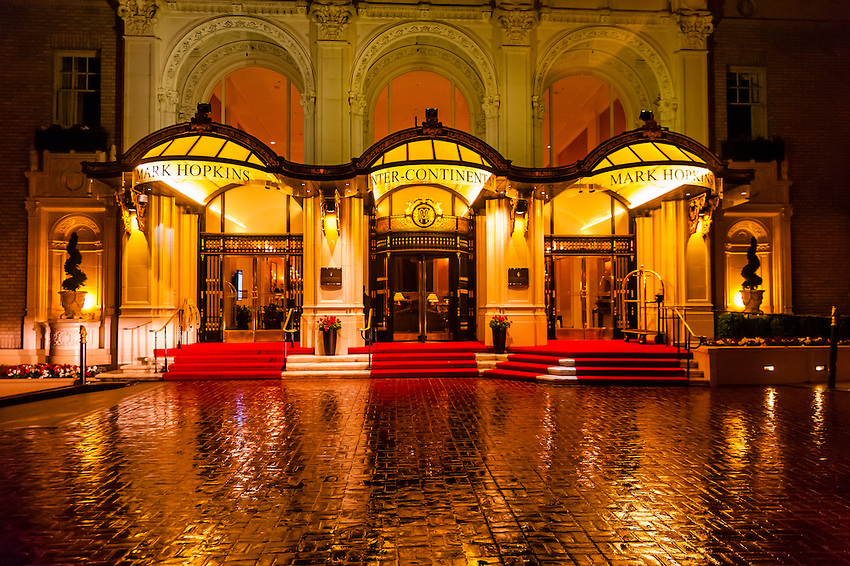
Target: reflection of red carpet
x,y
597,361
226,360
429,359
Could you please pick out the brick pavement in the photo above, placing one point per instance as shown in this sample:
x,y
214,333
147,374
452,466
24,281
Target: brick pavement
x,y
433,472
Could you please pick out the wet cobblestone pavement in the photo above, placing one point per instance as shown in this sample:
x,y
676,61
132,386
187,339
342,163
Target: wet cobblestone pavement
x,y
433,472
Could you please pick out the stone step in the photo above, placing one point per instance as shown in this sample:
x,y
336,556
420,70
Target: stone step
x,y
325,373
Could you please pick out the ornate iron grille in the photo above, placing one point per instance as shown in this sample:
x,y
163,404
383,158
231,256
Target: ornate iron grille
x,y
590,245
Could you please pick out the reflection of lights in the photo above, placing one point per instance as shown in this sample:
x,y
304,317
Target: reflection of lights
x,y
820,368
769,368
818,422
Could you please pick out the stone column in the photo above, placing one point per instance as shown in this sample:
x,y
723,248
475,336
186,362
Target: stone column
x,y
140,52
692,73
516,126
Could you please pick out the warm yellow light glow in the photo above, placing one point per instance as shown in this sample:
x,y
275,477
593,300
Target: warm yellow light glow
x,y
90,302
331,223
769,368
464,180
738,300
519,226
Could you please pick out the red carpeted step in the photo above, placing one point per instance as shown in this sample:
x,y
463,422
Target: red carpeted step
x,y
630,371
535,359
424,356
422,364
522,366
626,362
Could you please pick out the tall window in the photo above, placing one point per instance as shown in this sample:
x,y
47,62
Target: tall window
x,y
402,103
745,108
266,105
78,89
580,113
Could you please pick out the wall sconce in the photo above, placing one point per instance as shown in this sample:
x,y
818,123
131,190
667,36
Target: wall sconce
x,y
134,206
330,213
519,217
432,298
700,212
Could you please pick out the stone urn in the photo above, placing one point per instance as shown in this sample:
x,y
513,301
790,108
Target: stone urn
x,y
72,302
752,299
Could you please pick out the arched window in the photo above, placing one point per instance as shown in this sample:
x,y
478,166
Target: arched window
x,y
402,102
580,113
266,105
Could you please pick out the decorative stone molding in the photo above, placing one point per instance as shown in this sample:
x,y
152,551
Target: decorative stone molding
x,y
694,29
357,103
274,8
647,52
332,18
428,53
201,72
168,99
393,11
666,109
381,45
490,105
517,24
139,16
538,107
308,103
181,56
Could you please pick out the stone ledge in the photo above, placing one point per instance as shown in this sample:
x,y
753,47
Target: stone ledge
x,y
749,365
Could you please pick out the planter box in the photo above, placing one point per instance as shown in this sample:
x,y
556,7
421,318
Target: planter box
x,y
10,387
750,365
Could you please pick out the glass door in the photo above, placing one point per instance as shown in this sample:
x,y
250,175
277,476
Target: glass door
x,y
583,292
421,297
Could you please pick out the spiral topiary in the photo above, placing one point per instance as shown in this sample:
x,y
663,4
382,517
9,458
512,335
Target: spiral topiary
x,y
76,277
751,280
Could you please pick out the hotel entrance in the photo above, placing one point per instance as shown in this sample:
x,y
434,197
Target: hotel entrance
x,y
423,297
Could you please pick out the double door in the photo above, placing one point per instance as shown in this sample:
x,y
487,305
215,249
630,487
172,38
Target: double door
x,y
423,291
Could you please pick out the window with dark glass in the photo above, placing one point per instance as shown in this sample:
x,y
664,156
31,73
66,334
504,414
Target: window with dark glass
x,y
744,105
78,91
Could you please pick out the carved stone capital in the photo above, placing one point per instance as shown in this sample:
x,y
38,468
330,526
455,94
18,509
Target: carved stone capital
x,y
517,24
169,99
139,16
357,102
538,107
332,18
308,103
694,29
490,105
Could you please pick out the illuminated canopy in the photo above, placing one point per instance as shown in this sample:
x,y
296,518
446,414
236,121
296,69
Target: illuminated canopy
x,y
430,162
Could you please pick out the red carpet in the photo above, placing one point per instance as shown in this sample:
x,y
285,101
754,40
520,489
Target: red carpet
x,y
228,360
428,359
597,361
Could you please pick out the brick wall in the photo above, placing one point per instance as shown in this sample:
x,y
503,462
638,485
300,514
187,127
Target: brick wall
x,y
32,31
808,79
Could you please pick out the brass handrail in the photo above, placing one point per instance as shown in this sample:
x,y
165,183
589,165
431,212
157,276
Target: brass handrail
x,y
287,331
164,330
690,334
366,333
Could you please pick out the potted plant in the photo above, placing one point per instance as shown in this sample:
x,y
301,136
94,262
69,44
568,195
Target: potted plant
x,y
72,298
243,317
328,326
499,324
750,293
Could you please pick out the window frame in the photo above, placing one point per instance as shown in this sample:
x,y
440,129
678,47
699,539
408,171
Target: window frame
x,y
758,109
58,88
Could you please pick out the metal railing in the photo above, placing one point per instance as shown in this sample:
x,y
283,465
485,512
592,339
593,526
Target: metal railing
x,y
368,337
134,339
681,332
164,330
288,335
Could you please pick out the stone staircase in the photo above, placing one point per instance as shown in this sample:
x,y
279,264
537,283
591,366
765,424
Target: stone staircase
x,y
313,366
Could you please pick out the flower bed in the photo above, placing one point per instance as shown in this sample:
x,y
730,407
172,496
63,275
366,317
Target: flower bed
x,y
45,371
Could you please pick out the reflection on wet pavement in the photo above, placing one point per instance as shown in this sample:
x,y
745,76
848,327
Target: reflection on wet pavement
x,y
438,471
